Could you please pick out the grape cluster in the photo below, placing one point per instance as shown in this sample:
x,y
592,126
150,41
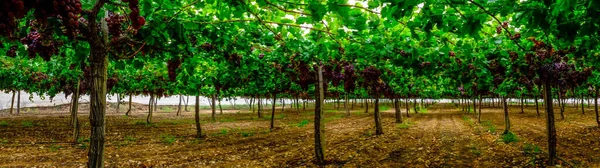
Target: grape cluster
x,y
115,24
516,36
172,66
12,51
68,11
332,71
349,78
513,56
404,53
372,81
37,77
207,47
137,21
306,76
41,43
10,11
497,70
461,89
458,61
111,82
425,64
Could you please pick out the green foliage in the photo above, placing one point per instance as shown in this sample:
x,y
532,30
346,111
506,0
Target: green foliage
x,y
303,123
3,141
384,108
490,127
223,132
475,151
468,120
83,143
130,139
3,123
246,134
27,124
168,139
422,109
54,147
510,137
335,117
405,125
146,124
531,148
166,109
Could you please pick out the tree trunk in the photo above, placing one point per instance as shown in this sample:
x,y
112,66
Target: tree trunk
x,y
506,118
150,105
252,102
99,64
346,105
474,105
118,102
220,108
18,102
187,102
415,105
367,106
303,105
338,103
273,111
561,104
197,116
398,111
179,106
479,114
582,104
12,102
129,109
282,105
155,109
377,116
214,107
537,107
587,96
596,106
74,109
550,124
522,111
407,108
319,121
259,106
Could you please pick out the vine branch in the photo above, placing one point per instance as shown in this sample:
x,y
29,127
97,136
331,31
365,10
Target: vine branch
x,y
499,22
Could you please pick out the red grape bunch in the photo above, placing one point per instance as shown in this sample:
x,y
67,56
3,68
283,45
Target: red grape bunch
x,y
349,78
137,21
173,65
68,11
41,43
12,52
115,24
10,11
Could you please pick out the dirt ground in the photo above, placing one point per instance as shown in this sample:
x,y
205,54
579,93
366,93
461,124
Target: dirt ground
x,y
440,136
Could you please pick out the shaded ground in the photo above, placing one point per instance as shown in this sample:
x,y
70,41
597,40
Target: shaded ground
x,y
442,136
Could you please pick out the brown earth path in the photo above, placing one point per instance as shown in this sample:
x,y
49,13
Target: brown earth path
x,y
441,137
